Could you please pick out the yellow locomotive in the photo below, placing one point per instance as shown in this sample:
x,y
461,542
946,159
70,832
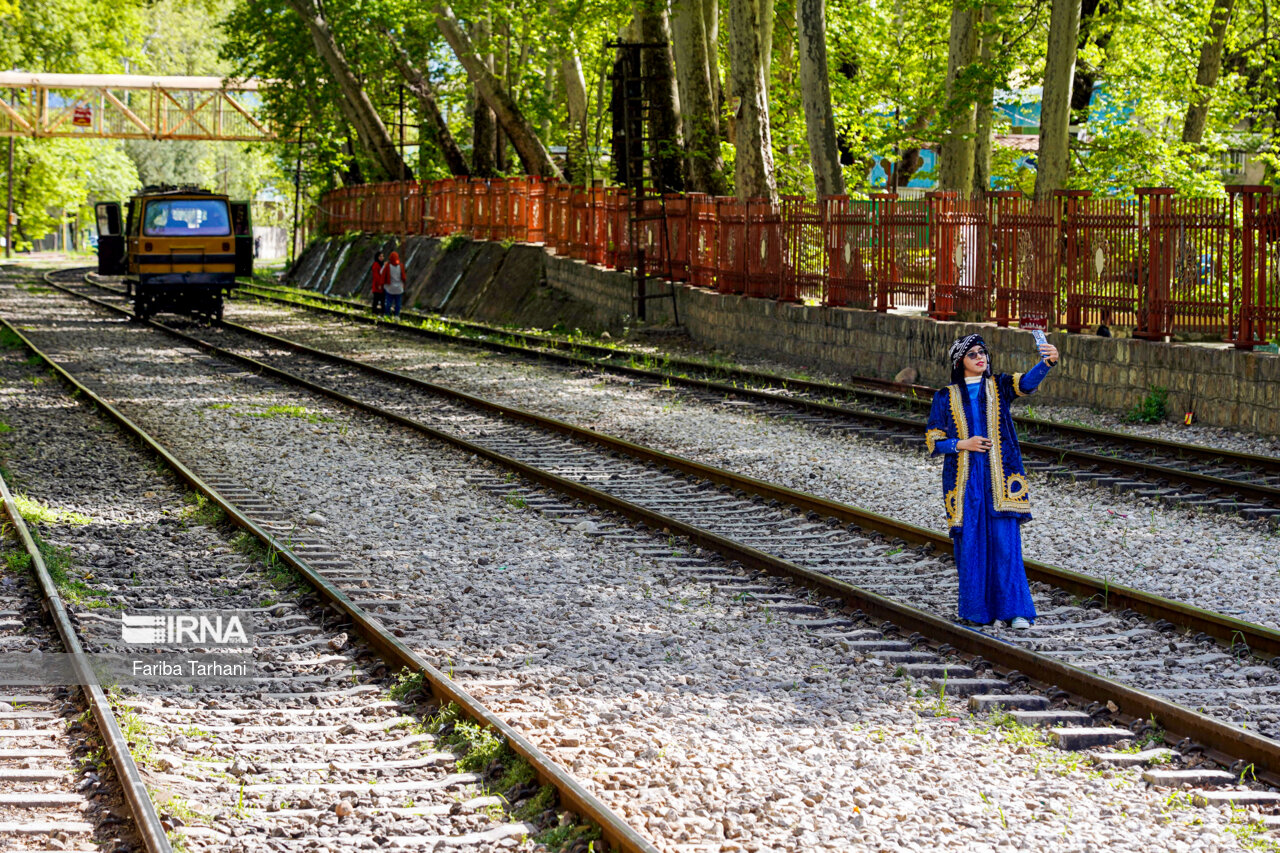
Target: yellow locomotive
x,y
178,248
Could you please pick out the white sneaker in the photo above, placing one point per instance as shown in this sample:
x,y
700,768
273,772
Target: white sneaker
x,y
1020,624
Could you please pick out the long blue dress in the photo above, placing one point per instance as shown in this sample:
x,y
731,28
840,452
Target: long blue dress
x,y
993,580
988,541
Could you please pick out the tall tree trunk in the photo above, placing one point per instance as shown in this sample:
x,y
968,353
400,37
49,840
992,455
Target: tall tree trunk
x,y
1092,28
575,89
355,105
1055,103
548,91
983,125
484,135
815,94
766,42
434,127
701,119
1207,72
484,127
956,169
753,171
659,74
711,27
533,154
500,162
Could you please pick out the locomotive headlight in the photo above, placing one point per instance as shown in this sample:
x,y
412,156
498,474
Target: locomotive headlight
x,y
146,247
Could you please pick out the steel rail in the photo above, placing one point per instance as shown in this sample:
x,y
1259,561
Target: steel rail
x,y
1222,741
1083,458
145,818
1258,638
573,796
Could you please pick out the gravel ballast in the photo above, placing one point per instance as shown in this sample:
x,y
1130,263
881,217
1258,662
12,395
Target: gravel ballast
x,y
705,721
1211,560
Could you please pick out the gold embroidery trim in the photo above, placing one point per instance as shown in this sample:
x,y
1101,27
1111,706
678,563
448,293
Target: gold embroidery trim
x,y
962,457
1017,385
1001,499
953,507
1021,494
932,437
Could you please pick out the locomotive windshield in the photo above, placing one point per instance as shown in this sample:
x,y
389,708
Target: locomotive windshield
x,y
186,217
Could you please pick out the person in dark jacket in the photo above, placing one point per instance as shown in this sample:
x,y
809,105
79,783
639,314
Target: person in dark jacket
x,y
378,284
984,486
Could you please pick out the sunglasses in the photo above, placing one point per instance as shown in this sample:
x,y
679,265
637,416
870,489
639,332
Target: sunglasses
x,y
975,354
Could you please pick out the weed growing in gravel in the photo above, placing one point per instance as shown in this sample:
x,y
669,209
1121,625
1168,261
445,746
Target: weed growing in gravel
x,y
17,561
57,560
10,340
135,731
1251,834
300,412
280,573
183,811
481,751
515,499
408,685
4,427
569,835
201,510
540,802
37,512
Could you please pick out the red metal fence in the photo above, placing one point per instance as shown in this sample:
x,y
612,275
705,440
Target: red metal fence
x,y
1160,264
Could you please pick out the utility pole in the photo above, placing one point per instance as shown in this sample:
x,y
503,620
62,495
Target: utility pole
x,y
297,200
404,185
8,213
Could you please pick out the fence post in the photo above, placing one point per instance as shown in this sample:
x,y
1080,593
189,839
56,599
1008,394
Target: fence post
x,y
884,258
1155,210
1004,258
943,244
1250,282
1069,258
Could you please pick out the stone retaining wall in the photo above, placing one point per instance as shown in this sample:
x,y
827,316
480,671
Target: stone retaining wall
x,y
1224,387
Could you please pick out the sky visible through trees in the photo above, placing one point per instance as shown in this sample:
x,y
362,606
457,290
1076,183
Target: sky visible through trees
x,y
761,96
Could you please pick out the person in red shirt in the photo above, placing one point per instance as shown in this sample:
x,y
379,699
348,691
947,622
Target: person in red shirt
x,y
378,283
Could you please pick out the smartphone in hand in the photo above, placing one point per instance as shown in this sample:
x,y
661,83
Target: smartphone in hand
x,y
1041,341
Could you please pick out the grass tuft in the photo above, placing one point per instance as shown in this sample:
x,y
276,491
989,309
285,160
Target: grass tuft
x,y
1152,409
38,512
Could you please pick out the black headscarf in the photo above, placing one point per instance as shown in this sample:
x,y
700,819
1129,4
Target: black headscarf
x,y
958,349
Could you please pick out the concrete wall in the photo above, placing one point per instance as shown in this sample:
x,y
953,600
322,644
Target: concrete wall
x,y
524,285
486,282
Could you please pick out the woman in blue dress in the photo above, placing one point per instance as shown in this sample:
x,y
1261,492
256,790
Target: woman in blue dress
x,y
984,485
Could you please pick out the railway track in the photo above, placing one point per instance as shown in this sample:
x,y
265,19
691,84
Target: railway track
x,y
1206,477
877,586
342,732
52,792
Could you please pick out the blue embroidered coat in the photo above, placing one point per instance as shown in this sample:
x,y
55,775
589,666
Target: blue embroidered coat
x,y
949,423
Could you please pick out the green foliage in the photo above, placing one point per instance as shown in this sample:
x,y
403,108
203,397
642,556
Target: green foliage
x,y
408,686
9,340
1152,409
288,411
203,511
58,179
35,511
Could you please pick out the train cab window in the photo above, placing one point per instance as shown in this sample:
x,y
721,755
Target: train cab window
x,y
186,217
